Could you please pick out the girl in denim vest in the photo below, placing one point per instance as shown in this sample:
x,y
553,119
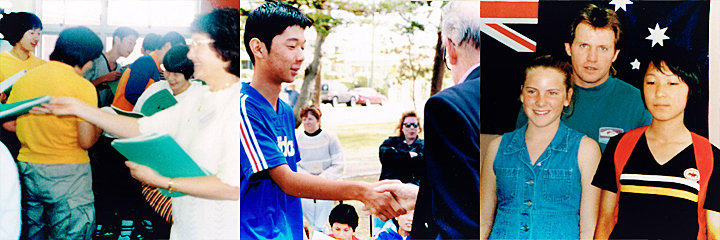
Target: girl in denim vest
x,y
535,181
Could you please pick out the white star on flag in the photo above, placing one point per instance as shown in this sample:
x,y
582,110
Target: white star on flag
x,y
635,64
620,4
657,35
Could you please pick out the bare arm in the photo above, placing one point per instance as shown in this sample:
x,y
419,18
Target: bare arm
x,y
588,159
488,194
309,186
87,134
120,126
713,224
209,187
606,217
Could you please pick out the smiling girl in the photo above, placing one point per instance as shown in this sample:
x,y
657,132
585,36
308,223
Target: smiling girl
x,y
535,181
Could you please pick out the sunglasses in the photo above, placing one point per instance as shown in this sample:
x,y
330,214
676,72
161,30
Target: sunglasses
x,y
411,124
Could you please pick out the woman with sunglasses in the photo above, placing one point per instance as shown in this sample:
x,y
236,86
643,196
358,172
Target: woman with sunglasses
x,y
535,181
402,156
322,156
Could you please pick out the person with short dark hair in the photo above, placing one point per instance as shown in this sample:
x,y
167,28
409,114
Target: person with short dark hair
x,y
179,72
270,184
106,69
322,155
343,221
661,181
53,161
593,46
402,225
151,42
143,72
23,31
205,125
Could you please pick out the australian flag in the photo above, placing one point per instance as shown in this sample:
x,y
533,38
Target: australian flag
x,y
516,31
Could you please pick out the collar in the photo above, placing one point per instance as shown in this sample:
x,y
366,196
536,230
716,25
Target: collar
x,y
467,74
157,62
559,143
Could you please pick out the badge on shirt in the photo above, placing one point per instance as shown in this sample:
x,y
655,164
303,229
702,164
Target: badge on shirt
x,y
607,132
692,174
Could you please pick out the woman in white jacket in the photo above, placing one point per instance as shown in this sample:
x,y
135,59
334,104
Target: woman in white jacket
x,y
322,156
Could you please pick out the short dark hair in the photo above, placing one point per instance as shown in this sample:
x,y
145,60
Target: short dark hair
x,y
76,46
269,20
681,63
14,25
223,26
176,61
151,42
174,38
123,32
344,214
597,17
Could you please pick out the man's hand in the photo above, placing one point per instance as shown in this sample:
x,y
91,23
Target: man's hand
x,y
383,205
406,194
111,76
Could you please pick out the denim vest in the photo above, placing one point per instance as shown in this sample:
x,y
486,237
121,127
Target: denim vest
x,y
540,201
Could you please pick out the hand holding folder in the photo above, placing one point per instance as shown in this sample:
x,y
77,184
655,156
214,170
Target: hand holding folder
x,y
161,153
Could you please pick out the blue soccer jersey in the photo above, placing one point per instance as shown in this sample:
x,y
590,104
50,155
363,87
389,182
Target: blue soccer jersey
x,y
267,140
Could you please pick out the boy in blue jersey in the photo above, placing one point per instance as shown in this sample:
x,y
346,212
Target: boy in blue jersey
x,y
270,187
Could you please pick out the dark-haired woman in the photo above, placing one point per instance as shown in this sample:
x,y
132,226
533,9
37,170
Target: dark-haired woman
x,y
23,31
178,74
535,181
205,125
661,181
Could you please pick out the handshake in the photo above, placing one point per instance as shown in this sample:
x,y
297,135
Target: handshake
x,y
388,199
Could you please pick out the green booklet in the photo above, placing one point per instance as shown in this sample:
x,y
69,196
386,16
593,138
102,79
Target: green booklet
x,y
157,102
22,107
161,153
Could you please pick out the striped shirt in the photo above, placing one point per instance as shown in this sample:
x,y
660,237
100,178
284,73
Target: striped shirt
x,y
656,201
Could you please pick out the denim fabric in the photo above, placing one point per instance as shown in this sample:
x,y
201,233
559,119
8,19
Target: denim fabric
x,y
58,201
540,201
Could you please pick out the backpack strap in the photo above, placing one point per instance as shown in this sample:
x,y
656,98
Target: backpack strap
x,y
704,161
622,153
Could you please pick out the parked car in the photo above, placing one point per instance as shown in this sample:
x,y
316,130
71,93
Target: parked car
x,y
367,96
336,93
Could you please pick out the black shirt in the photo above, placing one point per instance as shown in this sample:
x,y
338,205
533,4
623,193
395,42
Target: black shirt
x,y
657,201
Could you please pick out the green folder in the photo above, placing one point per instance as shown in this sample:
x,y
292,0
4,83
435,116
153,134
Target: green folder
x,y
161,153
157,102
22,107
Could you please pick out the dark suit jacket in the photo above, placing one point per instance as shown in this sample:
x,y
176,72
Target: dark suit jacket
x,y
448,204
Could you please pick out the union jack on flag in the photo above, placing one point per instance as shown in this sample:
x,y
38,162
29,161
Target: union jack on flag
x,y
494,14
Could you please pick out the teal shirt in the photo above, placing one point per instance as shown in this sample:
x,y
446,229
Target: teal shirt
x,y
604,111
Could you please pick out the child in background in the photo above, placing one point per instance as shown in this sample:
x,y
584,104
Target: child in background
x,y
343,221
404,225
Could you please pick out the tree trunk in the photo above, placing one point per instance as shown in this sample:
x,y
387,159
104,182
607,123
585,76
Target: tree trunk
x,y
318,85
310,74
438,67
